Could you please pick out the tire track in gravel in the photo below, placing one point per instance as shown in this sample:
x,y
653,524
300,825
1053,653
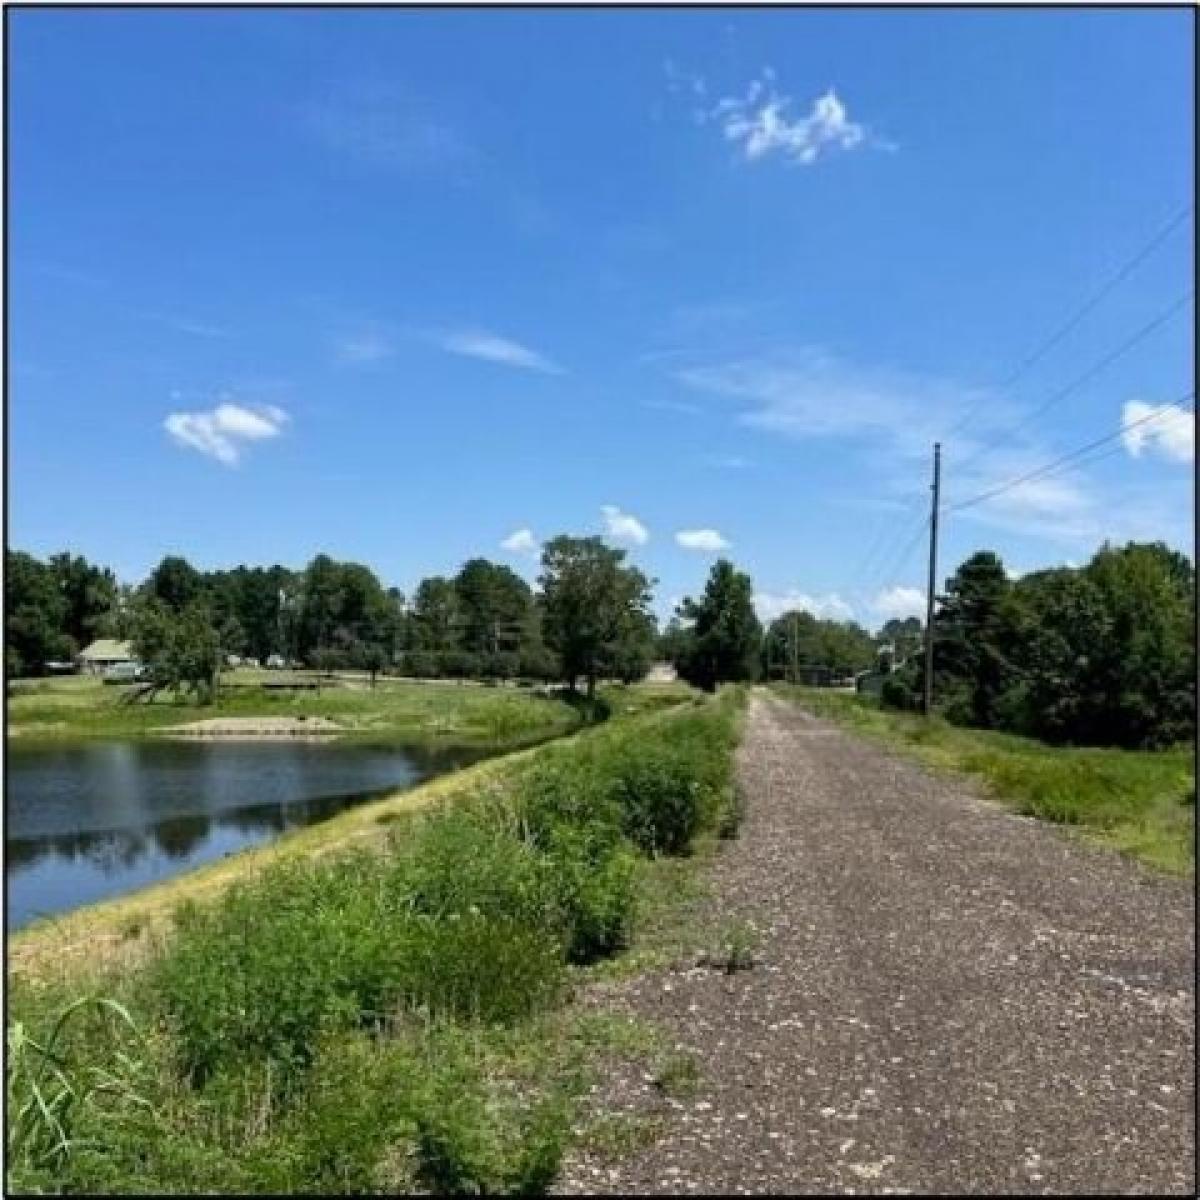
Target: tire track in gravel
x,y
946,997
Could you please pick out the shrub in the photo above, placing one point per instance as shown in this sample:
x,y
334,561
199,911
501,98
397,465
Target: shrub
x,y
659,797
594,877
354,1110
260,971
465,922
326,1025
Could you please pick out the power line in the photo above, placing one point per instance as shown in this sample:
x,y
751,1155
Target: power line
x,y
1078,315
929,597
900,560
1052,467
862,572
1035,356
1089,374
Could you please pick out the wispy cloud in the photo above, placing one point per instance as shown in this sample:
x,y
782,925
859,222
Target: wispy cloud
x,y
831,606
380,125
182,324
491,347
365,346
683,82
623,526
887,420
187,325
522,541
1170,435
701,539
899,602
760,123
224,431
809,393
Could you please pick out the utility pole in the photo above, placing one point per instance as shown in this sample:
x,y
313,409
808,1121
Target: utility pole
x,y
933,535
795,648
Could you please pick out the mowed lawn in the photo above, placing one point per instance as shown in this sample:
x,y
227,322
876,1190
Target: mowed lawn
x,y
1141,802
78,706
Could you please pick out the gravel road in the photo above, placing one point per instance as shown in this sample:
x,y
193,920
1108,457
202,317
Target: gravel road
x,y
946,997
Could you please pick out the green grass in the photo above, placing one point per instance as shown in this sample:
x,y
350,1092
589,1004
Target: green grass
x,y
1140,802
382,1018
84,707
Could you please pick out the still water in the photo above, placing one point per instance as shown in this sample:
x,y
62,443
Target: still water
x,y
88,821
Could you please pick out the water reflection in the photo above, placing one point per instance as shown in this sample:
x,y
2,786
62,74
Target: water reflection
x,y
89,821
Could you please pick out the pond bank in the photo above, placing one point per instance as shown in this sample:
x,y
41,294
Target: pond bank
x,y
113,928
231,728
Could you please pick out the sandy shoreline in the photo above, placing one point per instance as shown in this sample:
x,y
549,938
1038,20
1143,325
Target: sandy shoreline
x,y
255,728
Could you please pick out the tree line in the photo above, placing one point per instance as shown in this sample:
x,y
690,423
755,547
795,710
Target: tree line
x,y
590,618
1102,654
718,638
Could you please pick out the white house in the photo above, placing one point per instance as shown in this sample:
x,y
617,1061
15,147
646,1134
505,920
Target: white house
x,y
104,653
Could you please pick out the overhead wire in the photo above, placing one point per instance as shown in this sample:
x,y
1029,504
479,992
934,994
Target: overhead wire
x,y
1082,311
1069,459
1092,371
1058,334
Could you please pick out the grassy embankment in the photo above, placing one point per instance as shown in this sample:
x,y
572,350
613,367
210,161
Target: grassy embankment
x,y
387,1015
400,712
82,706
1140,802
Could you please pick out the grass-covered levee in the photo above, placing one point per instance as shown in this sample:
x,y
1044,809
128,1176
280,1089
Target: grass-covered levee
x,y
388,1015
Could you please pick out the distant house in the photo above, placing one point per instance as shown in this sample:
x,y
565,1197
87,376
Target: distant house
x,y
870,683
104,653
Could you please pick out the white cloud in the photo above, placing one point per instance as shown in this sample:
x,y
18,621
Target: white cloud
x,y
701,539
683,81
831,606
760,124
623,526
492,348
884,421
810,393
222,431
1172,434
899,602
521,541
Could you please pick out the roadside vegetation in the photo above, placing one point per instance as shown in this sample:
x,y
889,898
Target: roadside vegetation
x,y
390,1016
1100,655
1142,802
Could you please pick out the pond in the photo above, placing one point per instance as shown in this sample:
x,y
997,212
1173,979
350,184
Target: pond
x,y
86,821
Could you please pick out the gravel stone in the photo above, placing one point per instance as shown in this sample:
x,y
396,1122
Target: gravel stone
x,y
944,999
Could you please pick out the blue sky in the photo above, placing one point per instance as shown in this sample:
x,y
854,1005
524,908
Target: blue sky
x,y
406,286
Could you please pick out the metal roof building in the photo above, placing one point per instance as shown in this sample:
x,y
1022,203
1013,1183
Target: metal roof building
x,y
104,652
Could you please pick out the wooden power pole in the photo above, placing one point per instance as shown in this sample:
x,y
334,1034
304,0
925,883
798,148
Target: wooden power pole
x,y
933,536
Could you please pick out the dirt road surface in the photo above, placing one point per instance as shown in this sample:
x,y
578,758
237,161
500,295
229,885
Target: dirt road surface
x,y
946,997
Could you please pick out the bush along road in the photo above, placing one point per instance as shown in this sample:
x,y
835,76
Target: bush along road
x,y
387,1018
